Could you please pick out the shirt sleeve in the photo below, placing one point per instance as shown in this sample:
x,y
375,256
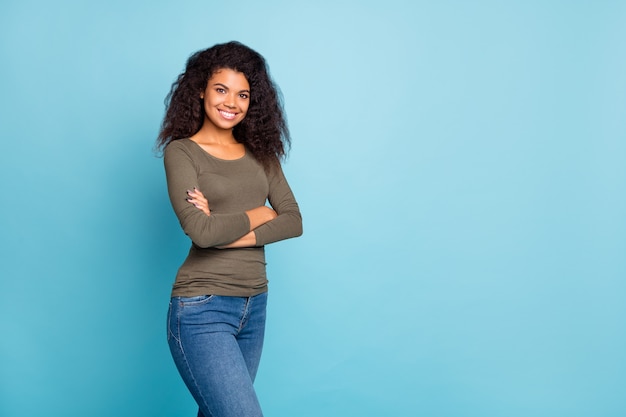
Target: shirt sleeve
x,y
288,223
205,231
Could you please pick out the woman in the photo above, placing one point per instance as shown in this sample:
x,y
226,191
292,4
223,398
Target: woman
x,y
223,136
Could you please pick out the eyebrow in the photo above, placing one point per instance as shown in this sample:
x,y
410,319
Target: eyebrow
x,y
226,87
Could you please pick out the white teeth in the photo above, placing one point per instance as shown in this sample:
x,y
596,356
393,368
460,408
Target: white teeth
x,y
227,115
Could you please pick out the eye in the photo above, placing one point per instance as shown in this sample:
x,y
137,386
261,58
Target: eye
x,y
244,96
220,90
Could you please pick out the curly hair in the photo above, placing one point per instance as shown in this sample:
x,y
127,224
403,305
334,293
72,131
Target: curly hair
x,y
263,131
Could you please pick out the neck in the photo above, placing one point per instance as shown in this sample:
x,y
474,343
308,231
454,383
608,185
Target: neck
x,y
209,134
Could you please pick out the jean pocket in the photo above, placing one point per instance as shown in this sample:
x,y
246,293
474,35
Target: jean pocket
x,y
195,301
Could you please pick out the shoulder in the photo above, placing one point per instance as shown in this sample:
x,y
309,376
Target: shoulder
x,y
178,145
271,168
179,150
274,172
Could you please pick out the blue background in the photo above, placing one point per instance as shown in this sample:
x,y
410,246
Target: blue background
x,y
461,169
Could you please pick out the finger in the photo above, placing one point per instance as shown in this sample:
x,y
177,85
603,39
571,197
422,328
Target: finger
x,y
199,200
198,192
194,201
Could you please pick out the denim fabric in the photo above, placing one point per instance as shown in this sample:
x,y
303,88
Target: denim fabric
x,y
216,343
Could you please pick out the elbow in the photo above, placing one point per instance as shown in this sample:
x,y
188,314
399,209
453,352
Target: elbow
x,y
200,236
200,240
299,229
202,245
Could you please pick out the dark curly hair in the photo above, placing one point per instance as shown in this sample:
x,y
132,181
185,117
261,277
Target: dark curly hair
x,y
263,131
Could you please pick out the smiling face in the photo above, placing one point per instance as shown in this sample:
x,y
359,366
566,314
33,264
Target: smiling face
x,y
226,99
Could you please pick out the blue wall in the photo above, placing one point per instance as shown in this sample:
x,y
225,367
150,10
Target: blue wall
x,y
461,168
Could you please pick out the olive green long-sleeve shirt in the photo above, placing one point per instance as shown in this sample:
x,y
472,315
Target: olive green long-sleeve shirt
x,y
231,187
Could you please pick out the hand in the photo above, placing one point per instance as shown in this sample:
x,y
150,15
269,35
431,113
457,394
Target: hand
x,y
198,200
260,215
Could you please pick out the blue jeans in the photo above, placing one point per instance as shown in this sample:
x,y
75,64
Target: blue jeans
x,y
216,343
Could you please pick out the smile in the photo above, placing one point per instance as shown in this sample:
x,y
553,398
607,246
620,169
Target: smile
x,y
227,115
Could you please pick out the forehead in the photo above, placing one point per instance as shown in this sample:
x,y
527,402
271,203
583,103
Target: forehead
x,y
230,78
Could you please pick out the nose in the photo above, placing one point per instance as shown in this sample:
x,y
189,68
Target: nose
x,y
229,101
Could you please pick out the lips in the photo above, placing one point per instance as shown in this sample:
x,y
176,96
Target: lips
x,y
227,115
